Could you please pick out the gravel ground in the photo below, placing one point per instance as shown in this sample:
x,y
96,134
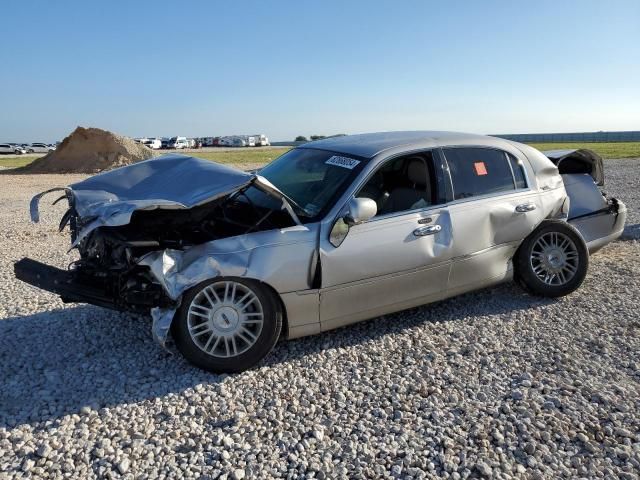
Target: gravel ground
x,y
493,384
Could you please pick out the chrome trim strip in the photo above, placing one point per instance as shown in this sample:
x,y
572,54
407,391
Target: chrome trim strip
x,y
485,250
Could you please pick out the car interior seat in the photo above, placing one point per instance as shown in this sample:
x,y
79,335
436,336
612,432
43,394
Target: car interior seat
x,y
404,198
375,190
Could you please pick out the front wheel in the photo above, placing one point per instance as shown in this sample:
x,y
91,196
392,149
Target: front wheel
x,y
552,261
227,325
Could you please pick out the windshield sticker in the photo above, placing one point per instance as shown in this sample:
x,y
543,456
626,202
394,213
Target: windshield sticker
x,y
344,162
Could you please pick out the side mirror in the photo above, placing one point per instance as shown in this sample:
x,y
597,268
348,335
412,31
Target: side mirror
x,y
360,210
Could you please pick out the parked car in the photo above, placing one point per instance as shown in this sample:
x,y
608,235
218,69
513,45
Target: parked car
x,y
332,232
238,142
11,148
178,143
39,148
261,140
153,143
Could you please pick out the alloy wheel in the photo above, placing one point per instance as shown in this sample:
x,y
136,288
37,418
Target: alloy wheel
x,y
225,319
554,258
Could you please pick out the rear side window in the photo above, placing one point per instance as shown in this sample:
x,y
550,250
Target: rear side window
x,y
479,171
518,171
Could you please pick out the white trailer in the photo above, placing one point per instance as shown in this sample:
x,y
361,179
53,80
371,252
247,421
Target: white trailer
x,y
261,140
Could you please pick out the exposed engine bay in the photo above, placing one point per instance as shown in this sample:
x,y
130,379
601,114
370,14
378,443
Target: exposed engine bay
x,y
110,256
176,229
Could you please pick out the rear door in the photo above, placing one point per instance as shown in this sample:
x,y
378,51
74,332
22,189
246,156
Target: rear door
x,y
492,209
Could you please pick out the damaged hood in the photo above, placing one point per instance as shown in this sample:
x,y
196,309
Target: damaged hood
x,y
578,161
167,182
170,179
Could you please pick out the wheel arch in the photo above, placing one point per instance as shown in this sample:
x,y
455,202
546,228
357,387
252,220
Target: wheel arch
x,y
558,212
284,333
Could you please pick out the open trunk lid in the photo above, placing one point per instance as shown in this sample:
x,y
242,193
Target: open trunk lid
x,y
599,219
578,161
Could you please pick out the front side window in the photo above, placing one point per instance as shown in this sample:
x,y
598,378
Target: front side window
x,y
480,171
405,183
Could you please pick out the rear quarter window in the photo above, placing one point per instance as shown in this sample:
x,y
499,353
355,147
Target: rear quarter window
x,y
479,171
518,172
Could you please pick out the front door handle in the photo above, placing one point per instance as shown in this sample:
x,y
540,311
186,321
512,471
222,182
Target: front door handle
x,y
424,231
525,207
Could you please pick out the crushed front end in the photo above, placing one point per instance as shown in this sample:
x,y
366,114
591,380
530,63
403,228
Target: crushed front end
x,y
121,219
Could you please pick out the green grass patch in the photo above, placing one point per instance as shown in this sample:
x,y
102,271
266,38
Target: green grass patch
x,y
262,156
14,162
604,149
241,156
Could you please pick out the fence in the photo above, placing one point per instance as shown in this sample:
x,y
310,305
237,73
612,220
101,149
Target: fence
x,y
633,136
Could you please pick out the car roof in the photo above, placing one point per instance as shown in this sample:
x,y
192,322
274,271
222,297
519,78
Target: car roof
x,y
369,145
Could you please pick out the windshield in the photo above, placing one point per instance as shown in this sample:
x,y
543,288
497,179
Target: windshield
x,y
313,179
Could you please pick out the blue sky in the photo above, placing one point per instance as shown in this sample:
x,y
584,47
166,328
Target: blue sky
x,y
300,67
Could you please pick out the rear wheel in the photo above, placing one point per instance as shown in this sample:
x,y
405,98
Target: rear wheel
x,y
552,261
227,325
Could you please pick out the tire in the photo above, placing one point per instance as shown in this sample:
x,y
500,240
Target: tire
x,y
217,329
552,261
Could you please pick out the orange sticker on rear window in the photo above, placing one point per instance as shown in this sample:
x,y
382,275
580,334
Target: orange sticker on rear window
x,y
480,167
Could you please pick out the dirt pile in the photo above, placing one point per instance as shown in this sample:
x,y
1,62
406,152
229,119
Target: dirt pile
x,y
90,150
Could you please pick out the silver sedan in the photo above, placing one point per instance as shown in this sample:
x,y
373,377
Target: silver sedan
x,y
333,232
39,148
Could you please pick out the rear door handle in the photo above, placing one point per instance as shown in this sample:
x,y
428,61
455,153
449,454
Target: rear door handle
x,y
525,207
424,231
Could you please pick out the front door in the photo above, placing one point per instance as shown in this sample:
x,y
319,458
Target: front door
x,y
398,259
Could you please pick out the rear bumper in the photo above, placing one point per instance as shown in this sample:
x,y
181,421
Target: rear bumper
x,y
74,286
601,228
